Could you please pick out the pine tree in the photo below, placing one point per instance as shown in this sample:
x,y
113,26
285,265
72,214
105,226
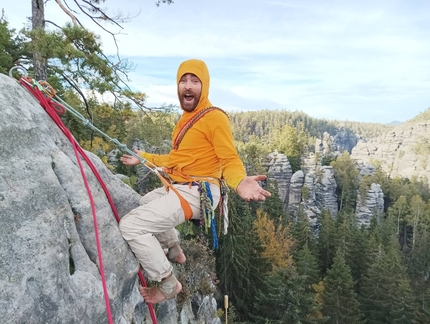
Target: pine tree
x,y
347,180
340,302
273,205
419,272
386,294
240,267
353,242
302,232
326,240
285,300
11,47
361,256
307,267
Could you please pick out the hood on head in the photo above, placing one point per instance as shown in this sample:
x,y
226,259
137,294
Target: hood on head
x,y
200,70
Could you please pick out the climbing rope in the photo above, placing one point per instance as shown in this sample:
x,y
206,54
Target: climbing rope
x,y
53,107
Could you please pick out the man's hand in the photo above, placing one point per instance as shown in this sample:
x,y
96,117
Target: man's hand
x,y
249,189
129,159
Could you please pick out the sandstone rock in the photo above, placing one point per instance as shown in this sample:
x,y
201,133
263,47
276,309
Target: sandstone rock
x,y
404,151
295,191
325,192
49,270
373,202
340,142
310,202
280,170
367,170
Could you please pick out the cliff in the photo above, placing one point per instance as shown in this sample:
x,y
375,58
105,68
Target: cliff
x,y
402,152
49,269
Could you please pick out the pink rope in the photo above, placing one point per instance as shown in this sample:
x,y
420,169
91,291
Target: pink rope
x,y
52,108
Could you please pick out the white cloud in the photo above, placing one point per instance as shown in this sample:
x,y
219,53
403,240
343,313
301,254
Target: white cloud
x,y
361,60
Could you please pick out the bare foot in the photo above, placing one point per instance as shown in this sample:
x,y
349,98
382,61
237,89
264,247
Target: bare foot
x,y
154,295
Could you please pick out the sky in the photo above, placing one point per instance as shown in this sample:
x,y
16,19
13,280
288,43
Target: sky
x,y
365,61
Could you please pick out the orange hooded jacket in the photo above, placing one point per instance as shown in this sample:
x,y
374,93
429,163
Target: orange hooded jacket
x,y
207,149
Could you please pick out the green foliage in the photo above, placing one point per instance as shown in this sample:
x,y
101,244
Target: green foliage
x,y
326,160
273,205
346,175
355,246
418,270
253,152
391,299
75,52
240,265
154,127
285,300
307,267
326,242
302,232
340,301
194,273
267,125
11,47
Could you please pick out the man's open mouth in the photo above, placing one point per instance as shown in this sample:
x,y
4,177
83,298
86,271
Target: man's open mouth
x,y
188,97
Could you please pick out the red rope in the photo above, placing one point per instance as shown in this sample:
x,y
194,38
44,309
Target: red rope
x,y
52,108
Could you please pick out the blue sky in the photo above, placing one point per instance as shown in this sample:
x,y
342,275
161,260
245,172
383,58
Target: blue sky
x,y
349,60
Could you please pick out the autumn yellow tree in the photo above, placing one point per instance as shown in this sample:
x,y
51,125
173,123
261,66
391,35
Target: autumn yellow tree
x,y
276,242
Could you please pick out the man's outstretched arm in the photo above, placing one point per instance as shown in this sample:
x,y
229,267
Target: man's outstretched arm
x,y
249,189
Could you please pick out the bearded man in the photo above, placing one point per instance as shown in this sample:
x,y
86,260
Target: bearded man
x,y
203,152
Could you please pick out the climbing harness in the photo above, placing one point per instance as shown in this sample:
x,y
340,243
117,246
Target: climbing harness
x,y
207,214
52,108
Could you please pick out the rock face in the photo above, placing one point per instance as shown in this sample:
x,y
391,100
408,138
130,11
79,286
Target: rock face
x,y
296,185
341,141
314,188
404,151
373,202
49,270
325,191
280,170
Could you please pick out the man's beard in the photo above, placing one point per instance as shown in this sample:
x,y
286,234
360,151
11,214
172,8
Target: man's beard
x,y
189,106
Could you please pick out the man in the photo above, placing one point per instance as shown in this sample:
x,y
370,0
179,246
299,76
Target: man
x,y
203,150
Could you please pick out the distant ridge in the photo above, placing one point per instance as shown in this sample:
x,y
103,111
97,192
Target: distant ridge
x,y
394,122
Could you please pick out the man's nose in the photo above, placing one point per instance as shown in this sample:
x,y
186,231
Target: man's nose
x,y
188,84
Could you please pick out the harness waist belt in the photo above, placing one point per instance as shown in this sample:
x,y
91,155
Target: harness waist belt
x,y
192,183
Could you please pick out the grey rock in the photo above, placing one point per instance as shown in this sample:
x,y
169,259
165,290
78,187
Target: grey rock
x,y
112,157
280,170
310,202
373,202
310,184
49,266
122,177
325,190
367,170
295,191
340,142
402,152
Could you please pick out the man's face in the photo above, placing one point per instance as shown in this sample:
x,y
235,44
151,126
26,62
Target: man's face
x,y
189,91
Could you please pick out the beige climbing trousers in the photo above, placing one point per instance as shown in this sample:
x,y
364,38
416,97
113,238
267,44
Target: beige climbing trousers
x,y
150,228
